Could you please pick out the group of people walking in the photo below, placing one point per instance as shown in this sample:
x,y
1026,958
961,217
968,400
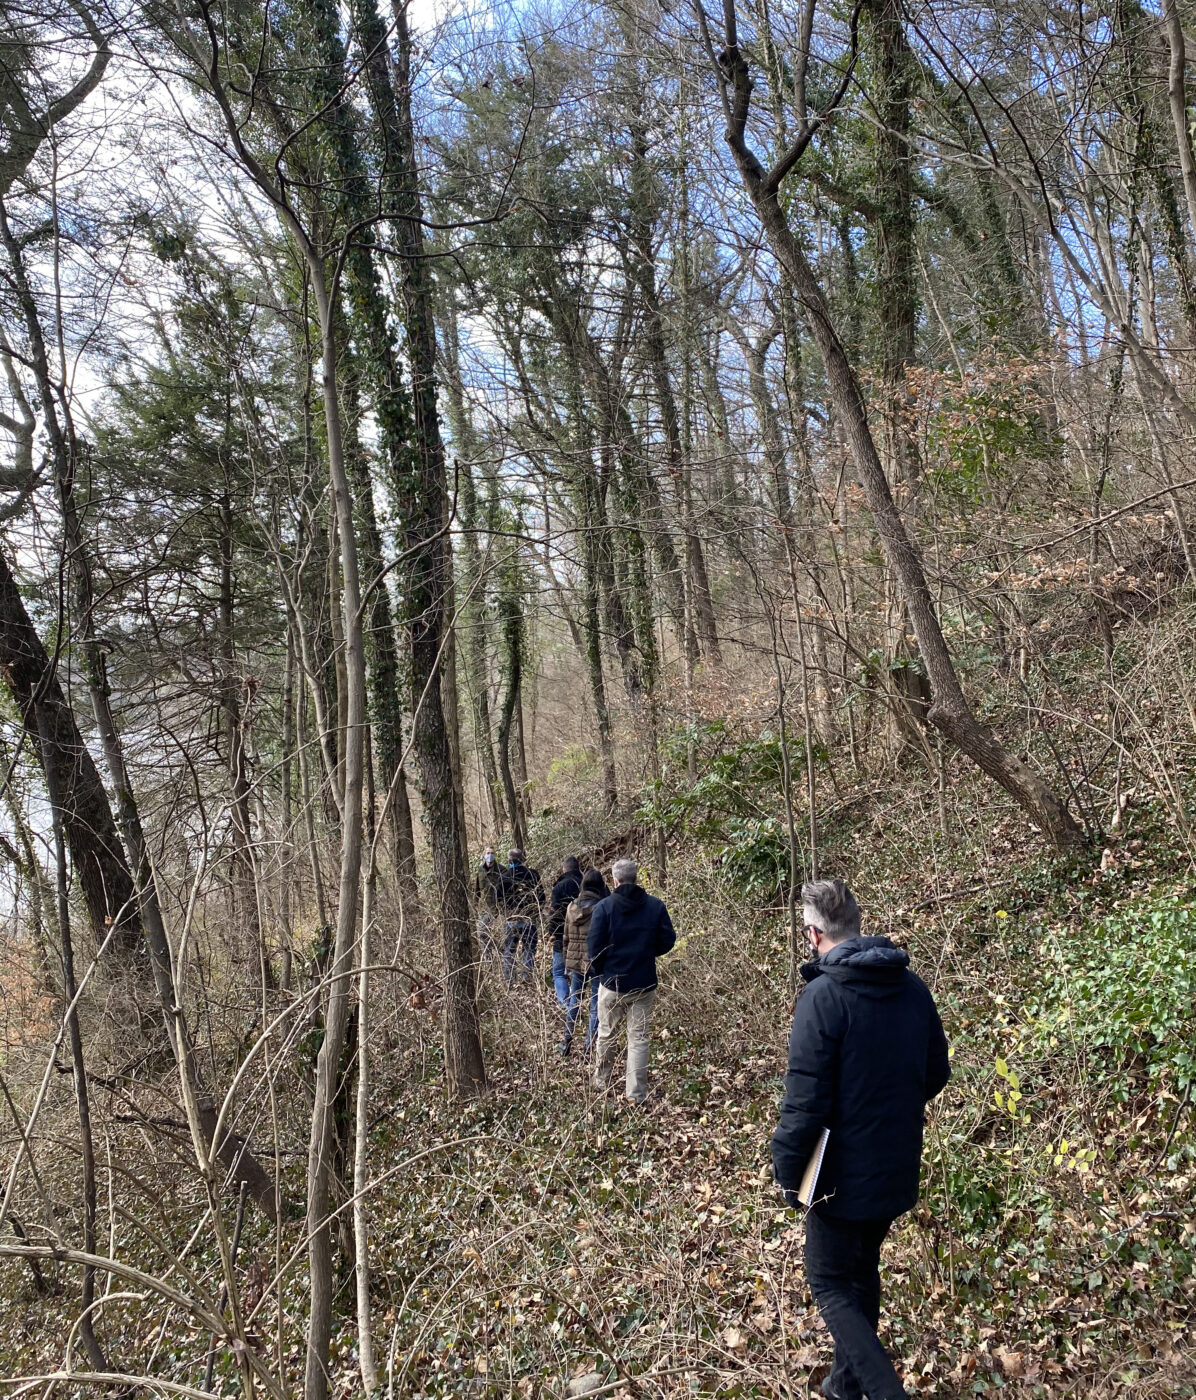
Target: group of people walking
x,y
867,1053
605,942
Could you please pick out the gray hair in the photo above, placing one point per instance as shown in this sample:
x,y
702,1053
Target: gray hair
x,y
625,872
831,907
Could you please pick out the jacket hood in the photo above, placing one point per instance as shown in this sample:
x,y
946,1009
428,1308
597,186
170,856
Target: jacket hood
x,y
873,966
587,901
632,894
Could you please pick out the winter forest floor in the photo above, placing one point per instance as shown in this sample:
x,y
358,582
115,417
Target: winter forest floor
x,y
544,1233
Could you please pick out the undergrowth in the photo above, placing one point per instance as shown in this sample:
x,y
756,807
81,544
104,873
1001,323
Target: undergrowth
x,y
545,1231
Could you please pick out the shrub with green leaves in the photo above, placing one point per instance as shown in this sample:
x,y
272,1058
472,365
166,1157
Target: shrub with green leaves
x,y
735,808
1126,992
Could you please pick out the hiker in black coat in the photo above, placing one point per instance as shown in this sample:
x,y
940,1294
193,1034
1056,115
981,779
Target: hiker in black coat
x,y
522,896
866,1054
564,892
628,932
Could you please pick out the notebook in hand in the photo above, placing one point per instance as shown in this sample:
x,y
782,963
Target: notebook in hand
x,y
809,1178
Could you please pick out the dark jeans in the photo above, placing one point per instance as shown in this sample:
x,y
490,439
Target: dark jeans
x,y
519,931
560,978
843,1266
577,982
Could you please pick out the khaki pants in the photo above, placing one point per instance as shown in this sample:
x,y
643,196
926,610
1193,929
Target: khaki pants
x,y
636,1008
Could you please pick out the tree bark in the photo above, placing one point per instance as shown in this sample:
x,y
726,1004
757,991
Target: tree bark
x,y
384,683
91,1345
472,627
644,264
1177,94
511,621
430,590
893,229
950,711
90,830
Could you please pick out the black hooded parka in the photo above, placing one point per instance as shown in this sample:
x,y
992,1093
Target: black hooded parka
x,y
866,1054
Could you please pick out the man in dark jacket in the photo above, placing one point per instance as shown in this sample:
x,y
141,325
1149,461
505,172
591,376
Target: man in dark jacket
x,y
628,932
564,892
866,1055
522,896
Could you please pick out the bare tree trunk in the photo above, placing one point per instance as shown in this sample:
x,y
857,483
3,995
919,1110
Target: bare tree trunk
x,y
91,1345
286,845
950,711
361,1149
320,1146
242,876
307,797
90,831
472,625
1178,96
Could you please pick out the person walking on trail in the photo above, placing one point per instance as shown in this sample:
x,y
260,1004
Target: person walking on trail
x,y
577,958
522,897
564,892
866,1055
628,931
487,887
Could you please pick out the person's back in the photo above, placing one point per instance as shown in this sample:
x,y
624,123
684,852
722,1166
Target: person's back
x,y
564,891
863,998
521,898
577,928
866,1054
521,891
628,932
576,958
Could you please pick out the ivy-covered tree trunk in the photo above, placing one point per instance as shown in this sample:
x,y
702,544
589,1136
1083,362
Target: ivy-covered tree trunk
x,y
424,510
510,616
382,657
893,230
377,369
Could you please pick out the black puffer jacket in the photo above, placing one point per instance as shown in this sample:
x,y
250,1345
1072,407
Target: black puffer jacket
x,y
866,1055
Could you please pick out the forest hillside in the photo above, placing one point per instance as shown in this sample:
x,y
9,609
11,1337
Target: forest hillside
x,y
753,439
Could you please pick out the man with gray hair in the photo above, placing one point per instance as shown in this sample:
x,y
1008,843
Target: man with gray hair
x,y
866,1055
629,930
